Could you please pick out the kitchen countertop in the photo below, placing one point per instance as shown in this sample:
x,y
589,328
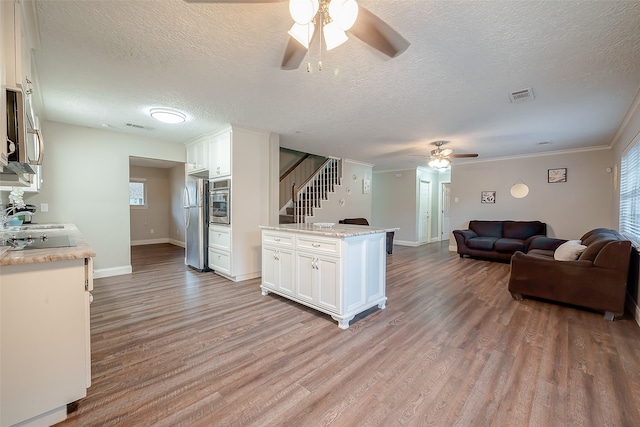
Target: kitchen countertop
x,y
81,250
337,230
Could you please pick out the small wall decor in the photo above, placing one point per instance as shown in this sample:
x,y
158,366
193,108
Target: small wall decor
x,y
557,175
366,186
348,190
488,197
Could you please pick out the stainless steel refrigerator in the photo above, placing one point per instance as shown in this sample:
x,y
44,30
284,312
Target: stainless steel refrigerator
x,y
196,224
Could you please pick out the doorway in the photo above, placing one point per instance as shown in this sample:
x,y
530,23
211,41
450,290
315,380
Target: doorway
x,y
446,206
424,213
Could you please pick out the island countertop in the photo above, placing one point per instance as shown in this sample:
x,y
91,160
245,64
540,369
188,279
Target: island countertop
x,y
81,250
337,230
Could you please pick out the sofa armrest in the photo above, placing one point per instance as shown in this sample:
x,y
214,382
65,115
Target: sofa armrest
x,y
543,242
465,234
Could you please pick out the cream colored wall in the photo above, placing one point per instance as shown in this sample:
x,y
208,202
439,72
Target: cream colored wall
x,y
86,181
570,209
396,201
150,224
176,215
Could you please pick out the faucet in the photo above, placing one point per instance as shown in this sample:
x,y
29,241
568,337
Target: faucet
x,y
6,215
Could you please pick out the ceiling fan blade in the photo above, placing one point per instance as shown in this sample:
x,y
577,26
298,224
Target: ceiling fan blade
x,y
378,34
462,156
293,55
234,1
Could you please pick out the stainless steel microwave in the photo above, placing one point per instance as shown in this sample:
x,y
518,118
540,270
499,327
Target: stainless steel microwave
x,y
22,132
220,202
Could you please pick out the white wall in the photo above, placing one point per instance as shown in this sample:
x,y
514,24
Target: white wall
x,y
570,209
396,201
86,182
356,203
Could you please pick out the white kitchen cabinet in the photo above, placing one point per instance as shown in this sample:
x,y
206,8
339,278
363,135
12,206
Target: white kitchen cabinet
x,y
341,276
46,356
220,155
197,156
241,156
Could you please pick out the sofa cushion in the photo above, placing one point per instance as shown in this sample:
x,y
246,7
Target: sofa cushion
x,y
486,228
522,230
509,245
482,243
569,251
595,246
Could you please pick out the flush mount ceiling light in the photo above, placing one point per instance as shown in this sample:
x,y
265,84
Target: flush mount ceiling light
x,y
166,115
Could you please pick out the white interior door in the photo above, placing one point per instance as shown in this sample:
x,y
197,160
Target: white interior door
x,y
424,220
446,206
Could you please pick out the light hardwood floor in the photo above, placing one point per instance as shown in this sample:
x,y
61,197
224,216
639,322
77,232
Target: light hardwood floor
x,y
174,347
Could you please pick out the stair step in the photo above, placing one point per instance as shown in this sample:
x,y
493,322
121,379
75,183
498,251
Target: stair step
x,y
286,219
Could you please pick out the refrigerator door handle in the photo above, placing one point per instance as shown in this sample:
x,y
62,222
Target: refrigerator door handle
x,y
186,203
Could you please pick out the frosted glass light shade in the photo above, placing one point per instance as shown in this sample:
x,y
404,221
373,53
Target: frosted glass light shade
x,y
302,33
519,190
344,13
167,116
333,35
439,163
303,11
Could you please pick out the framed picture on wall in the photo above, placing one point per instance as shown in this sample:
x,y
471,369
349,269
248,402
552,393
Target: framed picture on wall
x,y
557,175
488,197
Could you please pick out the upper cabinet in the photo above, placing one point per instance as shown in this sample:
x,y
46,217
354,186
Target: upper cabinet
x,y
198,156
220,155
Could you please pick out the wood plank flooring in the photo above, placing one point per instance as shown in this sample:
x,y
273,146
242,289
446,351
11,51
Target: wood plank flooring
x,y
174,347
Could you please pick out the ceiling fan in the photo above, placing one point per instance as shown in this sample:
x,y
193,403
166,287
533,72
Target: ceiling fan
x,y
441,157
367,27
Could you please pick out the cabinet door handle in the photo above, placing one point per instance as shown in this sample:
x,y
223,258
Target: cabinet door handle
x,y
276,239
315,245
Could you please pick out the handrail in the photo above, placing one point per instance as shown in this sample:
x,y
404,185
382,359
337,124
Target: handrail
x,y
292,168
315,173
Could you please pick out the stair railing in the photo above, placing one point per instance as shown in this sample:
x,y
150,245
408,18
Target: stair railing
x,y
316,188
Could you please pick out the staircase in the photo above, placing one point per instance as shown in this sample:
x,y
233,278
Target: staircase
x,y
315,189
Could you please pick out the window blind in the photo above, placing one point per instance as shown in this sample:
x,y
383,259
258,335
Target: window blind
x,y
630,195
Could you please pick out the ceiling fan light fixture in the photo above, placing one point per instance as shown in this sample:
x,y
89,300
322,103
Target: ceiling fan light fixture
x,y
344,13
303,11
333,35
166,115
302,33
439,163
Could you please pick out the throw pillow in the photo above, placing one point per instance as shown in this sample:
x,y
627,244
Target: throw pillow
x,y
569,251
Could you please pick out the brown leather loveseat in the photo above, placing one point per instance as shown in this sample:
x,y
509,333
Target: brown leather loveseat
x,y
497,240
597,279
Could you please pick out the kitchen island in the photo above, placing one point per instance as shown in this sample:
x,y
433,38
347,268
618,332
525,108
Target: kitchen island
x,y
337,269
45,356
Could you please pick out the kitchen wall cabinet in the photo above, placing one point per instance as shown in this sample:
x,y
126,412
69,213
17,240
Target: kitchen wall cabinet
x,y
46,351
242,155
198,156
340,276
220,155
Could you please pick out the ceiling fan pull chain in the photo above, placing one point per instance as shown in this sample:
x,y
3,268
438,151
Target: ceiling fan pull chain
x,y
321,19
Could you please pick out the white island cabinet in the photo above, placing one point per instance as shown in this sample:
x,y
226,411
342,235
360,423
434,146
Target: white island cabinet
x,y
340,270
45,356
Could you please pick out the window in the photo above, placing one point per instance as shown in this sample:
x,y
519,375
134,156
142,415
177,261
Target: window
x,y
137,193
630,195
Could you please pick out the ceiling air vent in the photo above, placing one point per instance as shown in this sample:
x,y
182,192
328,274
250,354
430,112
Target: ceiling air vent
x,y
133,125
523,95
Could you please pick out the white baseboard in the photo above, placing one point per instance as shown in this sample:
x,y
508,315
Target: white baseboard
x,y
111,271
176,242
150,241
405,243
453,248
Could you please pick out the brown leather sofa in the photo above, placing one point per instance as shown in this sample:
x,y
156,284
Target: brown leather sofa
x,y
363,221
596,280
497,240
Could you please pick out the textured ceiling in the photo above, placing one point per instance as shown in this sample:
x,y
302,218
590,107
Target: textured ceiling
x,y
109,62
